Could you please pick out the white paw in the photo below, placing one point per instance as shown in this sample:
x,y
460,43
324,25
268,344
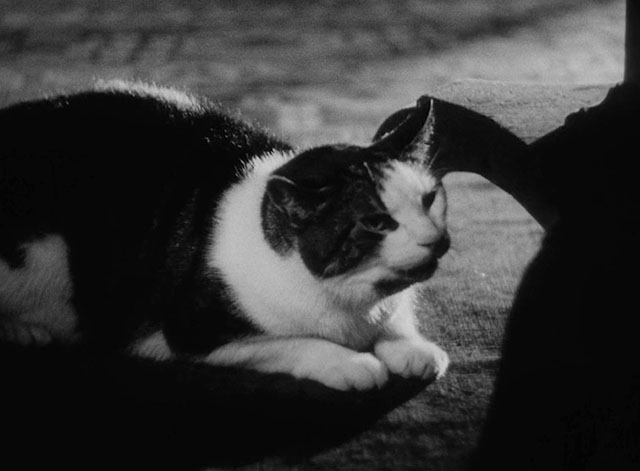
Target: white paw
x,y
154,346
344,371
415,357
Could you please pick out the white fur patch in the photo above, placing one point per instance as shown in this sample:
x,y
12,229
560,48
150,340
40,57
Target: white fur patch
x,y
399,349
294,308
332,365
35,300
413,357
403,188
402,349
279,293
153,346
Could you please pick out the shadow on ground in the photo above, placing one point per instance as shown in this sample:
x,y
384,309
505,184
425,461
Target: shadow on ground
x,y
82,411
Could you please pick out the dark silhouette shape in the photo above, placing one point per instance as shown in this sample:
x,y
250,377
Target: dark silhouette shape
x,y
467,141
568,390
82,410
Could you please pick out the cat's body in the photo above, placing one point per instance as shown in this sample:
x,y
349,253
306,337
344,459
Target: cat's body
x,y
139,218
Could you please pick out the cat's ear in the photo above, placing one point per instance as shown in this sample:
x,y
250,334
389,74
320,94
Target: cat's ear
x,y
298,203
410,132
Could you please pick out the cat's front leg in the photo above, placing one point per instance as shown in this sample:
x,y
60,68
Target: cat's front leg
x,y
320,360
403,350
341,368
412,357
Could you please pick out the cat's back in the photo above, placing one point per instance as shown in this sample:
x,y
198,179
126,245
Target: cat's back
x,y
116,144
110,194
126,117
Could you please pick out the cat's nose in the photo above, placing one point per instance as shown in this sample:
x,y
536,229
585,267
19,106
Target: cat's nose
x,y
440,246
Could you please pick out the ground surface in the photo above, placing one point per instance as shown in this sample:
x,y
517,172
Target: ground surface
x,y
331,71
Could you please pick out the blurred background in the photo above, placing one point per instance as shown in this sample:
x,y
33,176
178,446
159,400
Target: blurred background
x,y
323,71
313,71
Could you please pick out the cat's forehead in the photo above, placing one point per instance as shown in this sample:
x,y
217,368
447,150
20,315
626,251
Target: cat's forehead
x,y
331,164
403,183
357,172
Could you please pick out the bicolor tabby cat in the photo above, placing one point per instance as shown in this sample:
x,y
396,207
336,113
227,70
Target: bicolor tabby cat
x,y
146,219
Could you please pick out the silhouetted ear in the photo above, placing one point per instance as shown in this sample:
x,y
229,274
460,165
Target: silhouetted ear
x,y
421,148
392,123
296,202
409,132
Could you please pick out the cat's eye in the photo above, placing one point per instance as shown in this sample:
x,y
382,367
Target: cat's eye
x,y
428,199
380,222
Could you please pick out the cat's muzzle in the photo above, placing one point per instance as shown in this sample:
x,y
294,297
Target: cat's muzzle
x,y
440,247
422,271
425,269
419,272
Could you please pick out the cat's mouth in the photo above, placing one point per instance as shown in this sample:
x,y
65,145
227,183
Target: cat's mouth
x,y
420,272
407,277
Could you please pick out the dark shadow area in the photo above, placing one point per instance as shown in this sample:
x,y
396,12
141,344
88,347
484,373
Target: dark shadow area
x,y
78,410
467,141
567,395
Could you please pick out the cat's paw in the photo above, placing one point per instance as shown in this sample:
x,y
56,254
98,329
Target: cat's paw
x,y
24,334
416,357
352,370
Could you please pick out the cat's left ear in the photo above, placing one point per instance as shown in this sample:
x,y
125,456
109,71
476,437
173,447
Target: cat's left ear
x,y
298,203
410,133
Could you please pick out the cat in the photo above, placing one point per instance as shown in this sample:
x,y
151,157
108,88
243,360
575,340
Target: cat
x,y
567,394
144,219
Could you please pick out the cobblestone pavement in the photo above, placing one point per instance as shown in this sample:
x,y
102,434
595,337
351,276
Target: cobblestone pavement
x,y
320,71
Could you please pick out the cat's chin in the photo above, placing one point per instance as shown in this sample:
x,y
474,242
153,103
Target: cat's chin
x,y
405,278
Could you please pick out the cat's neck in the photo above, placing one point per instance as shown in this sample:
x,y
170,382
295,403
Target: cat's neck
x,y
274,287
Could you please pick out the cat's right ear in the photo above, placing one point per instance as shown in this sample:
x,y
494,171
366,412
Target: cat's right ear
x,y
393,123
410,132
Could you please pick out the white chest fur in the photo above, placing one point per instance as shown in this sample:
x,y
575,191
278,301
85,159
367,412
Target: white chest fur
x,y
277,293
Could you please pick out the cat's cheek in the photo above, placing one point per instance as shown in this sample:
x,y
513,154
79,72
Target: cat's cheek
x,y
413,358
401,252
344,371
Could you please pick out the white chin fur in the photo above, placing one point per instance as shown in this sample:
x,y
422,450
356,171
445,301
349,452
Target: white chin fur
x,y
278,293
403,188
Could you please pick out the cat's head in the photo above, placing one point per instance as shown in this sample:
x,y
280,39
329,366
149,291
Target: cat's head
x,y
370,218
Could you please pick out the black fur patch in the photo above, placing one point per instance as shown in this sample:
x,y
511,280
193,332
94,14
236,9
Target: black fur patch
x,y
130,181
331,188
12,255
